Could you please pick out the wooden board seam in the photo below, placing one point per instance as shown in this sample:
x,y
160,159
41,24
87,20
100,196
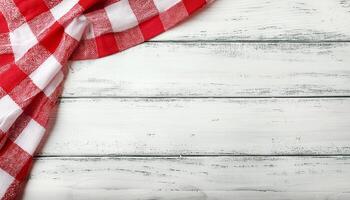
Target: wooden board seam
x,y
249,41
190,155
206,97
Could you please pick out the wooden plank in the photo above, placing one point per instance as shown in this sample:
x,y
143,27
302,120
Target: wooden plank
x,y
201,126
243,178
267,20
216,69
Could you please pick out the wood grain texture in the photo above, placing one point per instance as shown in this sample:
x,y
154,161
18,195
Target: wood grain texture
x,y
246,49
302,178
267,20
217,70
201,126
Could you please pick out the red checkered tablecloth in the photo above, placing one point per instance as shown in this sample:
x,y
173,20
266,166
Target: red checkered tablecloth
x,y
38,38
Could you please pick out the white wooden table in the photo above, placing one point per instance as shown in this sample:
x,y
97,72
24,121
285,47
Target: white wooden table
x,y
247,100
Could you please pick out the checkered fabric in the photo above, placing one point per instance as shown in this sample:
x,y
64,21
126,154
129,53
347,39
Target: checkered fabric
x,y
38,38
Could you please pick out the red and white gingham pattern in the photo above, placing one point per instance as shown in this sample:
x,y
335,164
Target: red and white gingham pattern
x,y
37,38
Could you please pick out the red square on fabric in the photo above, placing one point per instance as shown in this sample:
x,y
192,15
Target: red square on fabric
x,y
11,77
40,108
53,37
3,24
6,58
6,54
2,93
86,49
20,124
100,5
3,138
40,24
14,160
65,49
100,23
143,10
31,8
151,28
24,92
193,5
13,16
129,38
86,4
106,45
52,3
33,59
13,189
173,15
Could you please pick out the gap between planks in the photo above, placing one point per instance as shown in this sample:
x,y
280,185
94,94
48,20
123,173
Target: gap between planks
x,y
190,156
250,41
206,97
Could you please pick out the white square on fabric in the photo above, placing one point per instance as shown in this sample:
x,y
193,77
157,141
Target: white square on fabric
x,y
54,83
62,8
22,39
42,76
30,137
121,16
77,27
9,112
163,5
5,182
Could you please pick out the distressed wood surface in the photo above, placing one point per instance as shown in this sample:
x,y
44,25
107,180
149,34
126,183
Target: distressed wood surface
x,y
243,178
216,69
267,20
201,126
250,50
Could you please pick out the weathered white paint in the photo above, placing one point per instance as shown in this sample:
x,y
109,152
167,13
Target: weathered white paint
x,y
267,20
201,126
223,178
216,69
213,126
